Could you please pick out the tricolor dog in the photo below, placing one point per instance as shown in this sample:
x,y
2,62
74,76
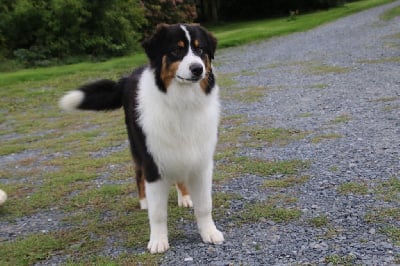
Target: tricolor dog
x,y
172,114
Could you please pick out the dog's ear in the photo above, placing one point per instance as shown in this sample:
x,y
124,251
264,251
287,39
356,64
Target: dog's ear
x,y
211,42
150,44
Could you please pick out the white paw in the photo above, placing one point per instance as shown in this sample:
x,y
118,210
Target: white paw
x,y
185,201
143,204
212,235
158,245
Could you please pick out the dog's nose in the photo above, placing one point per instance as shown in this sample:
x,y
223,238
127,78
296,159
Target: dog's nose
x,y
196,69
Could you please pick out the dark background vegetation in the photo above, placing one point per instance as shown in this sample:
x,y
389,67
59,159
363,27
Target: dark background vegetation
x,y
48,32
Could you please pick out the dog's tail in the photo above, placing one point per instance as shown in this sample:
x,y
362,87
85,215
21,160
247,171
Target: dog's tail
x,y
101,95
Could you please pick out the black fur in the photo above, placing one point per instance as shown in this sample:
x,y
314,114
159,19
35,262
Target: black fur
x,y
164,42
144,161
102,95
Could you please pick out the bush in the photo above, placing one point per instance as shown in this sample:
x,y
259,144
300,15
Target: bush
x,y
34,31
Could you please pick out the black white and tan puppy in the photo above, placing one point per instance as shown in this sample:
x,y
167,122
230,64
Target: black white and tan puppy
x,y
172,114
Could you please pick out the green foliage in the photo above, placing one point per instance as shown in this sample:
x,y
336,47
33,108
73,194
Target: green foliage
x,y
239,9
167,11
36,32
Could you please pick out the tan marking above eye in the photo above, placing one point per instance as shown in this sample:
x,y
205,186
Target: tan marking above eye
x,y
181,44
196,43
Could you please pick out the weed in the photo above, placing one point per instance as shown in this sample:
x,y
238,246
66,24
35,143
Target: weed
x,y
305,115
353,188
340,260
255,212
319,221
330,136
340,119
385,99
391,108
248,94
389,190
260,137
322,69
393,232
383,215
334,168
318,86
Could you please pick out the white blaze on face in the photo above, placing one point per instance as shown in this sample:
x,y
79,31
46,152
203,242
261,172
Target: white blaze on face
x,y
184,73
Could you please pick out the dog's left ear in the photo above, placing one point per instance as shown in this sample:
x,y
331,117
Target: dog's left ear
x,y
212,43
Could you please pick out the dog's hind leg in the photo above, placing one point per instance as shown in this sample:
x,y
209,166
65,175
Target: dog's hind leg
x,y
140,186
184,199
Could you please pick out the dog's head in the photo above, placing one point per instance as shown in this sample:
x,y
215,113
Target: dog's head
x,y
181,53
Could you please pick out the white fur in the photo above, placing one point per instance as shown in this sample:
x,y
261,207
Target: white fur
x,y
71,100
190,58
143,204
184,201
181,134
3,197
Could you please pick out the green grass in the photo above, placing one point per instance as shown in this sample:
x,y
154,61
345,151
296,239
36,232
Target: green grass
x,y
323,137
234,34
353,188
336,259
256,212
319,221
340,119
390,14
89,69
287,181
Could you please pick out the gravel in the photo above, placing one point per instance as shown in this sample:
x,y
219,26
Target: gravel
x,y
364,87
367,92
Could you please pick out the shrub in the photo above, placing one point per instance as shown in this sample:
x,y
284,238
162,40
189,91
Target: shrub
x,y
36,30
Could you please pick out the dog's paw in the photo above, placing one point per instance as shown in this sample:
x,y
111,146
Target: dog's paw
x,y
143,204
185,201
158,245
213,236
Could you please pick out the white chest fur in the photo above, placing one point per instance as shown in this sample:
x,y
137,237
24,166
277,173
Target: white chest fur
x,y
180,126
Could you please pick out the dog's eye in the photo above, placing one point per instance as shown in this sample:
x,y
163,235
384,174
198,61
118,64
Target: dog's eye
x,y
198,51
178,51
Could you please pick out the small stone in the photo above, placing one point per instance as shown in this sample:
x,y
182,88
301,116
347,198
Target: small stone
x,y
188,259
372,231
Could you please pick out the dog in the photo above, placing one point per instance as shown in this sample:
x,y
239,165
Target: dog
x,y
172,115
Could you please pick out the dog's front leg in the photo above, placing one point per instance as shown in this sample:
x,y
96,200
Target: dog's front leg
x,y
200,189
157,198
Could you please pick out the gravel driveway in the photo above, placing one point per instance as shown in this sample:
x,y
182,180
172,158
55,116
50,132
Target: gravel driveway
x,y
340,81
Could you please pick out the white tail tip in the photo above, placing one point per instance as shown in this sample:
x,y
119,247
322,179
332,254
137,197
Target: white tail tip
x,y
3,197
71,100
